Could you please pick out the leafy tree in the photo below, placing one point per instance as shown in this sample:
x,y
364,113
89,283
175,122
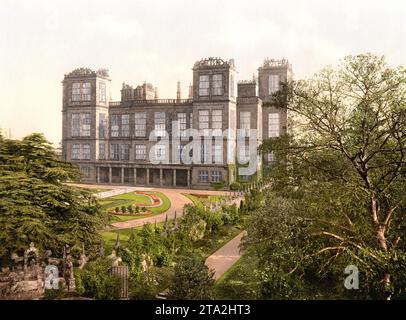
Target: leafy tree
x,y
344,162
94,281
192,279
37,206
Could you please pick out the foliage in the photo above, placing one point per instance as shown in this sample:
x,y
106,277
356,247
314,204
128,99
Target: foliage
x,y
94,281
235,186
192,279
37,206
341,171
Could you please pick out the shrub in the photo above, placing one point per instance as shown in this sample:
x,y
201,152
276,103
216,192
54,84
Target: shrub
x,y
117,209
130,209
94,281
192,279
137,209
235,186
123,209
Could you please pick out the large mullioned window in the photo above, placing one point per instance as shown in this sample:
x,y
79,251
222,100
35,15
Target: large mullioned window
x,y
217,89
140,124
102,92
114,127
160,128
125,125
81,91
273,125
273,83
140,152
204,85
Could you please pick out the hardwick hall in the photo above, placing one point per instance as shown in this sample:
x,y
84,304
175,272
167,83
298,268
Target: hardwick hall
x,y
111,140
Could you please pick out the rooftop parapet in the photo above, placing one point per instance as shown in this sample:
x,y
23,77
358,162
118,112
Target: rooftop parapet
x,y
214,62
87,72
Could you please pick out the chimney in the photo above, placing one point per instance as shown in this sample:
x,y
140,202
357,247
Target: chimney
x,y
190,91
178,92
156,92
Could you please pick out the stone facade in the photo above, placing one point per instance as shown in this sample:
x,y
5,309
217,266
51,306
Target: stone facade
x,y
108,139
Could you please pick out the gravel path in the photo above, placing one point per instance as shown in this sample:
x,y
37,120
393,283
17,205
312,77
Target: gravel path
x,y
224,258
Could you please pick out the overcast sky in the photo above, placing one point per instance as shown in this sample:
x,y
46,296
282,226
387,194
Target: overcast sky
x,y
159,41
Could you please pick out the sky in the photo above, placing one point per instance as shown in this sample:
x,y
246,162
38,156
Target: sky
x,y
159,41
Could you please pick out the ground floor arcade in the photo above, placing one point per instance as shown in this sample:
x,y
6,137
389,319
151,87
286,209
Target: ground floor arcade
x,y
144,176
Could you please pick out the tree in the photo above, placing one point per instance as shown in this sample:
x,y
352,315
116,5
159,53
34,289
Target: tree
x,y
37,206
94,281
344,159
192,279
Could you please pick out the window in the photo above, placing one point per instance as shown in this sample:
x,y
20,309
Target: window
x,y
125,152
140,152
273,125
86,152
102,125
85,172
204,84
160,128
217,85
244,153
182,124
76,95
273,83
125,125
217,119
75,124
217,153
86,91
102,92
204,153
216,176
102,151
204,121
160,152
232,85
140,124
75,155
114,151
81,91
86,125
245,122
114,125
203,175
271,157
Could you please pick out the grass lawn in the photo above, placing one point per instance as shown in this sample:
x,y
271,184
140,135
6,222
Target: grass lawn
x,y
239,282
133,198
214,241
200,200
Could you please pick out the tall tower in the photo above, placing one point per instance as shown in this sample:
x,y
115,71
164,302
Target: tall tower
x,y
86,96
271,75
214,110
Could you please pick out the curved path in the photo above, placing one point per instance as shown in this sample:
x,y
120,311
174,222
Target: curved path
x,y
178,201
220,261
225,257
175,196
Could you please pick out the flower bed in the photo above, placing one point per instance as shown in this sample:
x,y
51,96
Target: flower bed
x,y
129,210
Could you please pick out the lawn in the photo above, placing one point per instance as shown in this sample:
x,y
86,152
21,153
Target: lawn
x,y
240,281
200,200
131,198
